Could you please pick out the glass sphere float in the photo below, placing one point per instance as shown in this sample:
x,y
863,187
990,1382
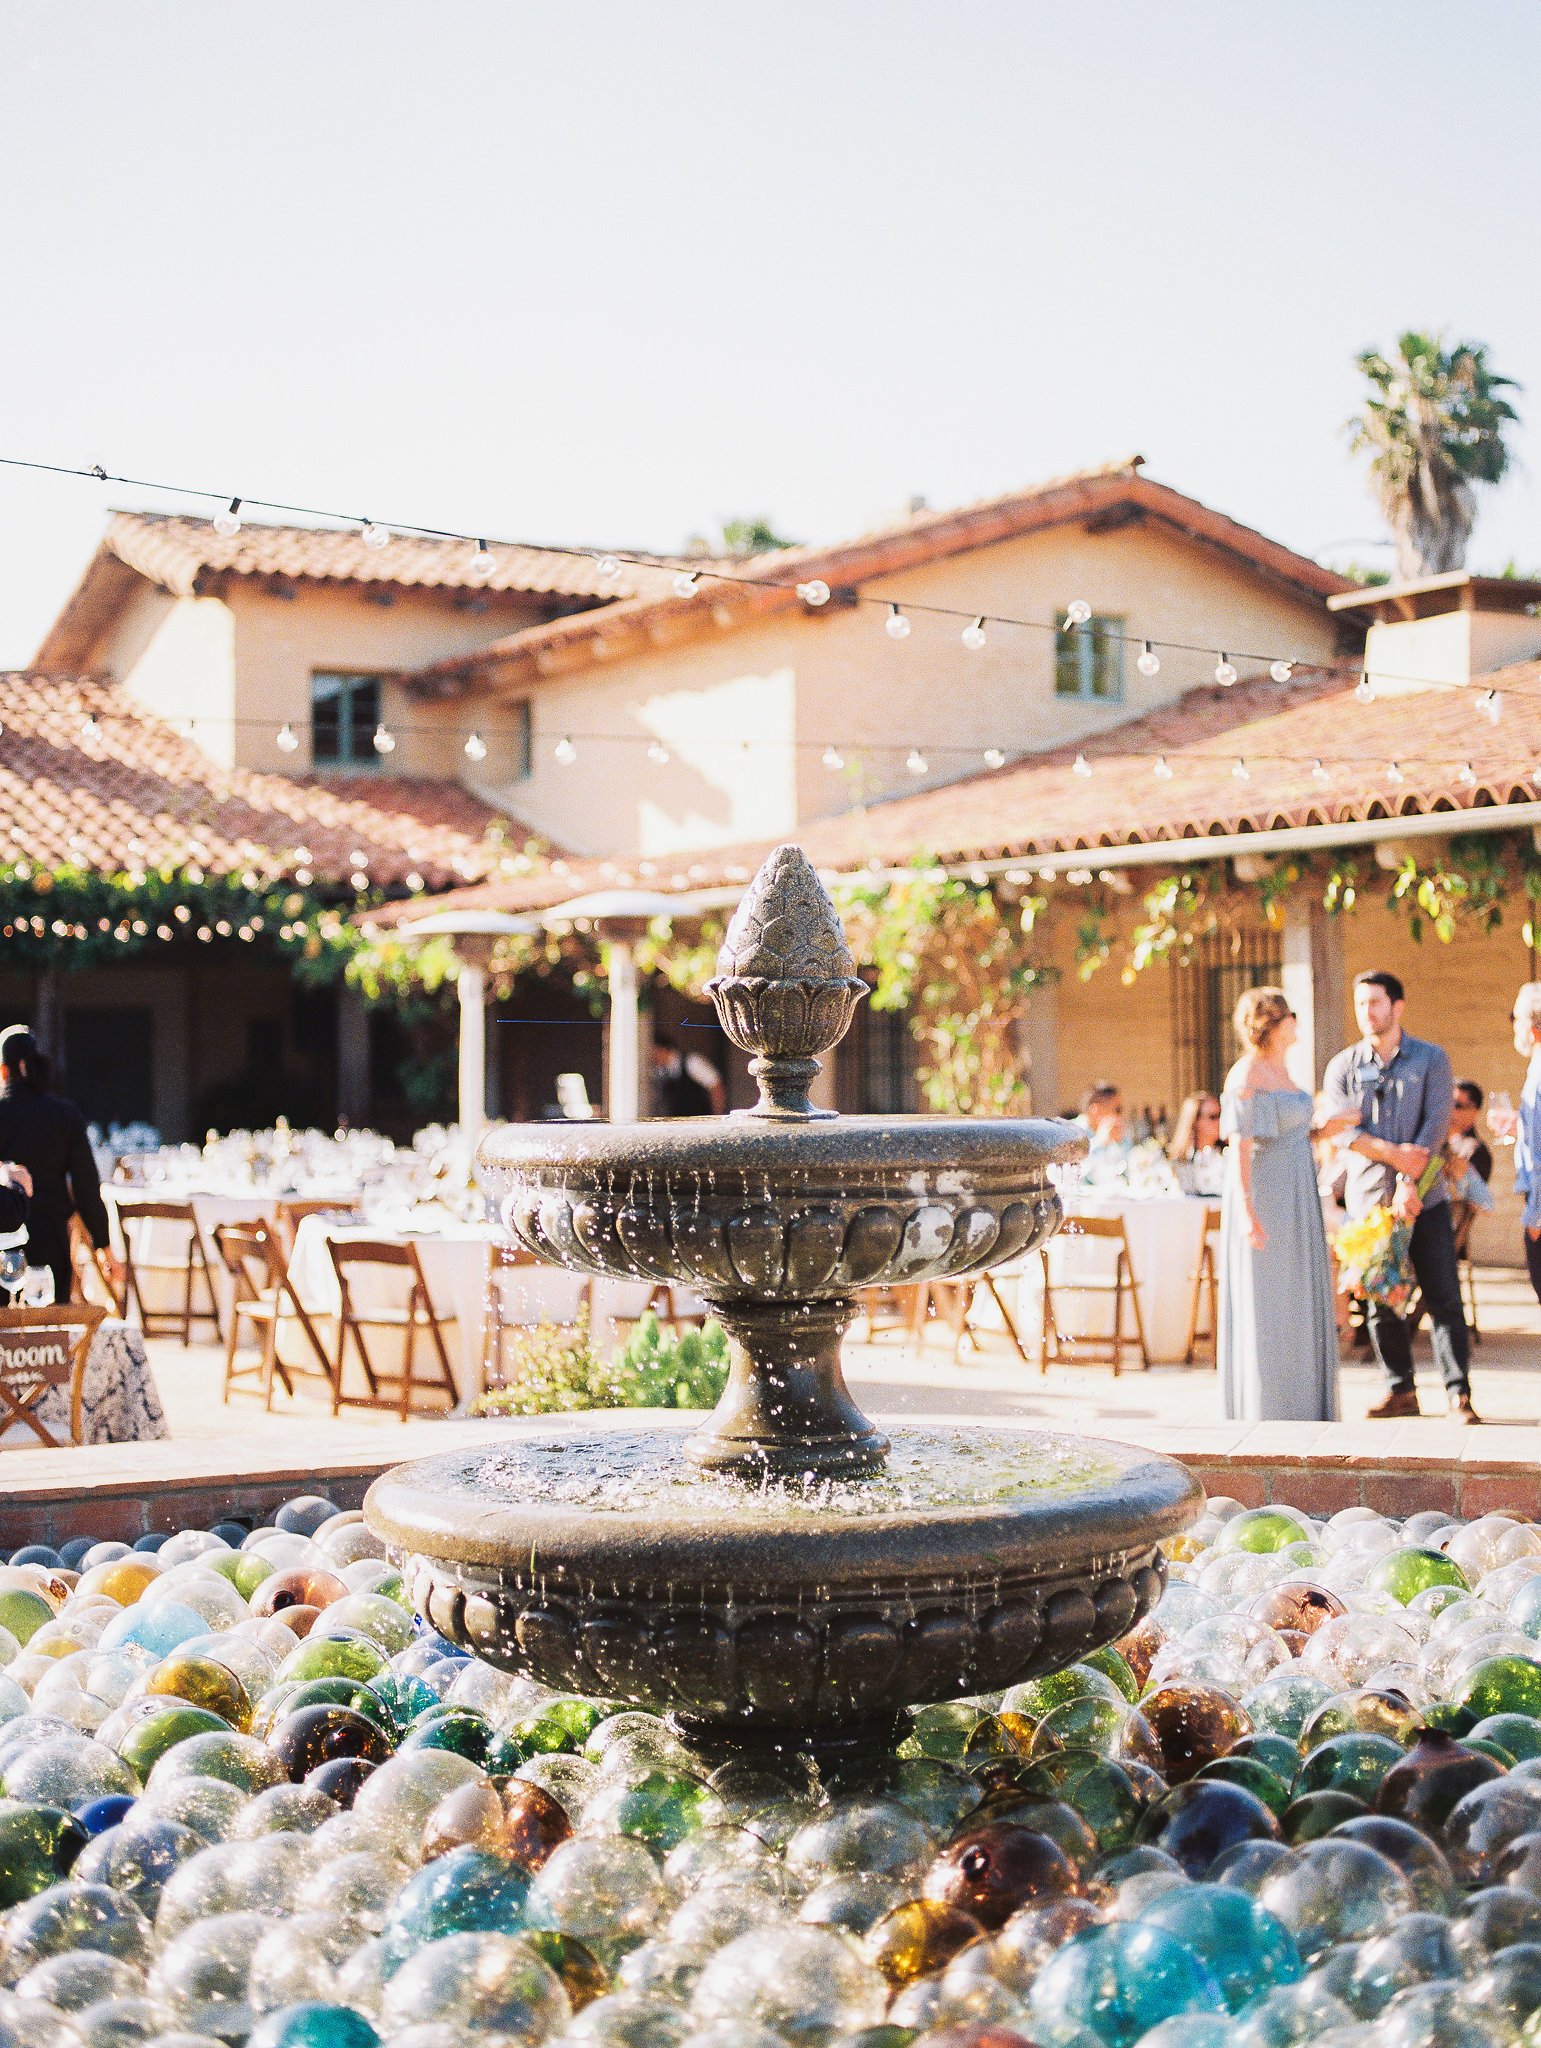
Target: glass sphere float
x,y
673,1573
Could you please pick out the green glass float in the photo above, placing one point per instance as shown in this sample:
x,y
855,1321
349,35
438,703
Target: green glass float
x,y
1519,1734
659,1807
1348,1763
1501,1685
1406,1573
335,1657
1261,1530
38,1844
151,1738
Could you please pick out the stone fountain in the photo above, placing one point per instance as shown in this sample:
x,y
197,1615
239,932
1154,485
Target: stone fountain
x,y
783,1570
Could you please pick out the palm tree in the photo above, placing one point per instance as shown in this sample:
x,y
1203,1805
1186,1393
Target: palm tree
x,y
1433,423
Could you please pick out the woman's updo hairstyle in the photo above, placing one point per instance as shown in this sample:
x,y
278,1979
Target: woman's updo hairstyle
x,y
1258,1015
22,1057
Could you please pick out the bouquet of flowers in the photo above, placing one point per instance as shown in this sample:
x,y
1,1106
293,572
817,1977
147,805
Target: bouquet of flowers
x,y
1372,1252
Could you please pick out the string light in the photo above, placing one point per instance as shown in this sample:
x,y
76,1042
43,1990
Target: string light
x,y
475,747
658,753
288,738
994,758
1225,673
228,522
1077,612
375,535
1163,769
1240,770
973,637
833,759
1081,766
1148,661
384,741
609,567
565,752
896,626
1467,775
1281,671
1394,772
1318,771
89,729
483,561
815,591
1491,705
1364,689
916,762
687,583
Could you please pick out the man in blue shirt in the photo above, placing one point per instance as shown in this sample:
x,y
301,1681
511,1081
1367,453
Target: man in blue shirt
x,y
1403,1089
1524,1126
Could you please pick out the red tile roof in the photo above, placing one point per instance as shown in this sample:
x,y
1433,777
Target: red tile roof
x,y
183,556
1115,493
89,778
1038,805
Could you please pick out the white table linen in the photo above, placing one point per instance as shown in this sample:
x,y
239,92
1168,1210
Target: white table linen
x,y
1165,1236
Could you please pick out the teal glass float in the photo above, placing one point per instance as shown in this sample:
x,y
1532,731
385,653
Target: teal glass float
x,y
464,1892
1247,1950
1518,1734
1348,1763
658,1807
159,1628
465,1733
314,2025
1120,1981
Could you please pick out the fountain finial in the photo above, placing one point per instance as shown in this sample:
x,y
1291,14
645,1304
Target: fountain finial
x,y
786,985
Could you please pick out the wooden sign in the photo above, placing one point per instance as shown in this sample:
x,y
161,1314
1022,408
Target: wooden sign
x,y
31,1360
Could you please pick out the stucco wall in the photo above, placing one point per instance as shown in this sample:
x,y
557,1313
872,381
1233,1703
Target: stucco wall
x,y
748,715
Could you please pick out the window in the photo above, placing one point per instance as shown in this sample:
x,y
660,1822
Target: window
x,y
1089,659
1205,990
344,712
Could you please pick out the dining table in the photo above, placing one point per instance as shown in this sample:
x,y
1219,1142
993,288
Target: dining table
x,y
1165,1237
119,1400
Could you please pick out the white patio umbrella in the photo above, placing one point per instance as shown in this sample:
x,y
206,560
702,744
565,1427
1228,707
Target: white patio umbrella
x,y
621,917
473,932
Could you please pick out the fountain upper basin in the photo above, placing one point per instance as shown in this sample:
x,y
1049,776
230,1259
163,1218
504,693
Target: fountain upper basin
x,y
751,1207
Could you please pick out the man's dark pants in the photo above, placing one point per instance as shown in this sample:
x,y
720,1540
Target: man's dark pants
x,y
1533,1262
1439,1280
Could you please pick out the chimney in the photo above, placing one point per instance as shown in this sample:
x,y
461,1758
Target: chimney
x,y
1443,629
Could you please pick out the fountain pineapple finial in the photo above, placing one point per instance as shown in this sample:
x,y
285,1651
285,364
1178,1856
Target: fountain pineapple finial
x,y
786,985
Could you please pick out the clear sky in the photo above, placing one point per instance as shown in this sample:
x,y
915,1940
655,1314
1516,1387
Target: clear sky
x,y
606,269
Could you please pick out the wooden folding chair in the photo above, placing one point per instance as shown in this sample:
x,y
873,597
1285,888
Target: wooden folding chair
x,y
1119,1285
291,1211
1206,1289
264,1298
502,1320
92,1274
892,1308
141,1209
951,1302
415,1319
42,1348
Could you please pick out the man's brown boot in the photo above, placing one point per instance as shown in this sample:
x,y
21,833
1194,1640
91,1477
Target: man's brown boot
x,y
1461,1410
1394,1407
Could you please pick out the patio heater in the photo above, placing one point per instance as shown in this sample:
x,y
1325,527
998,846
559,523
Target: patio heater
x,y
621,917
473,932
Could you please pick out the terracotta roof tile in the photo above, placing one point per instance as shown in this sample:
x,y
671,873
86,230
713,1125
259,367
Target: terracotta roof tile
x,y
88,777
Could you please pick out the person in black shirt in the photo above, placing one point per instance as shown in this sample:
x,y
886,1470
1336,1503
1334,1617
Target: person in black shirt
x,y
15,1193
685,1084
47,1136
1464,1141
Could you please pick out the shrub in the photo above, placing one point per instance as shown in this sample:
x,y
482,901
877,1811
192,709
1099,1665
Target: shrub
x,y
554,1369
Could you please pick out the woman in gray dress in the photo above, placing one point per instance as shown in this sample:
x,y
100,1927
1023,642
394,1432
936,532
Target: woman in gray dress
x,y
1278,1337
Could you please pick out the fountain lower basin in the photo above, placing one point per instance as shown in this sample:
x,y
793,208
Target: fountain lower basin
x,y
581,1557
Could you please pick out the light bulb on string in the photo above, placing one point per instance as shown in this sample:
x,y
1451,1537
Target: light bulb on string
x,y
609,567
815,591
483,561
375,535
475,747
1491,705
1225,672
1077,612
1467,775
833,759
89,729
565,752
1163,769
916,762
896,625
1394,772
1240,770
657,753
686,583
1080,766
384,741
1364,689
1148,661
994,757
1281,671
288,739
1319,771
228,521
973,637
